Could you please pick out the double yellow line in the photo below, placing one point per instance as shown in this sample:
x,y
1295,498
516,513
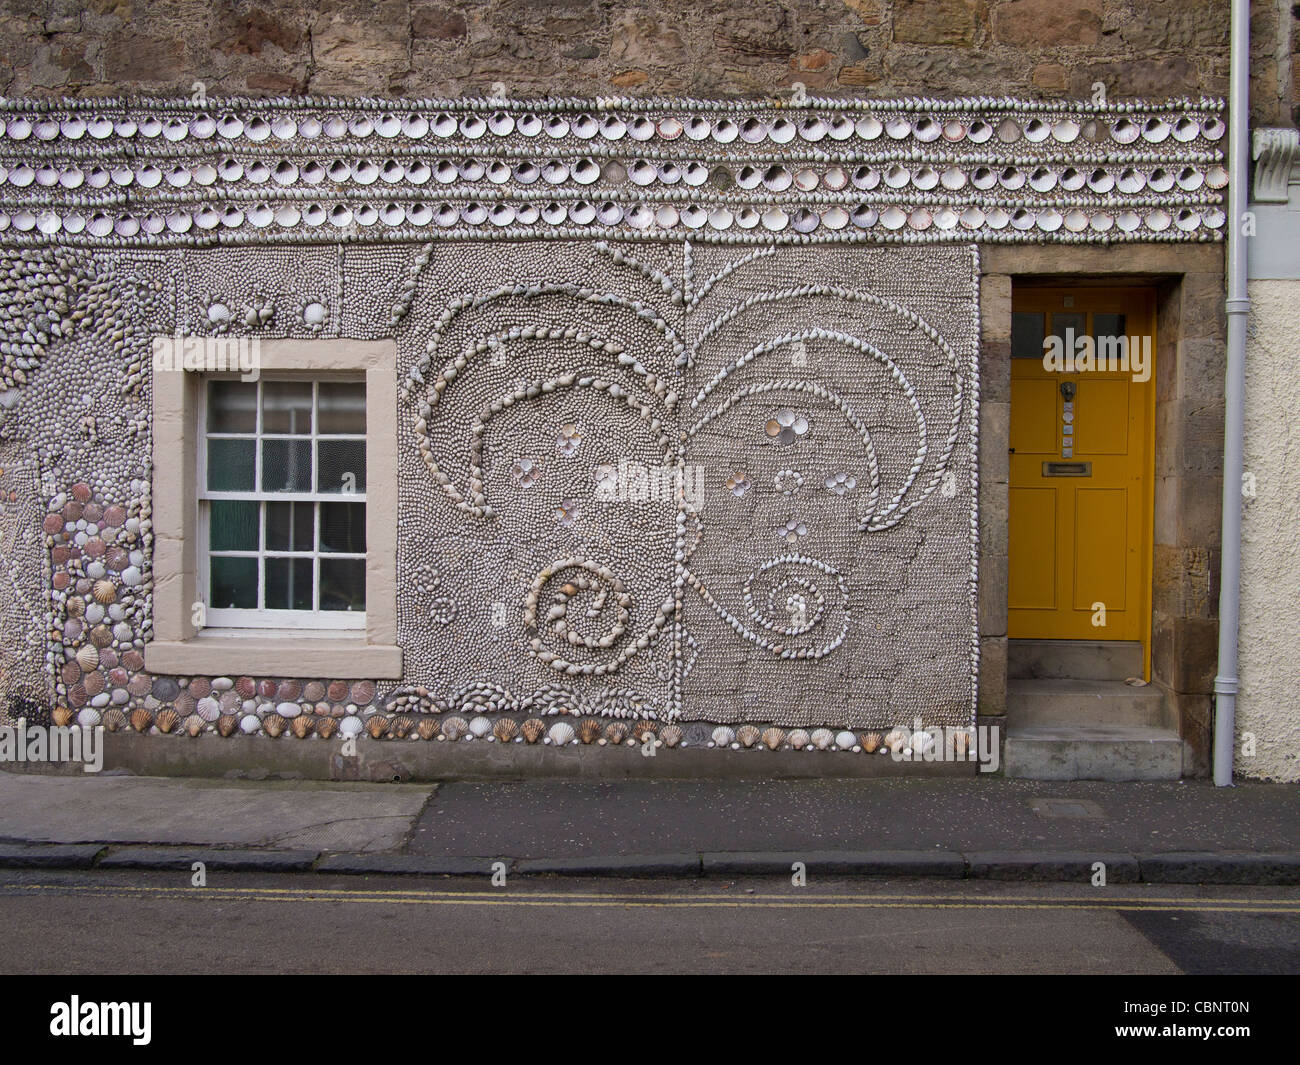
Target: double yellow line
x,y
527,898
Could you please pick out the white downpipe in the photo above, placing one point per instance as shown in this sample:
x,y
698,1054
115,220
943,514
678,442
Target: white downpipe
x,y
1238,307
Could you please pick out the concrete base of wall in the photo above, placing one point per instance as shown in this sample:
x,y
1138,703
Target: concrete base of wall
x,y
261,758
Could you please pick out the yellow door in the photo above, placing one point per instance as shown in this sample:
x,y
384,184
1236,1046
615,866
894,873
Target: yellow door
x,y
1082,438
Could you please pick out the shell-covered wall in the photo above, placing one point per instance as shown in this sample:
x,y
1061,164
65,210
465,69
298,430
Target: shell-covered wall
x,y
688,392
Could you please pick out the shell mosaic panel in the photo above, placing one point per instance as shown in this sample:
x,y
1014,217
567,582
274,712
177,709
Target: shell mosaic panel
x,y
687,391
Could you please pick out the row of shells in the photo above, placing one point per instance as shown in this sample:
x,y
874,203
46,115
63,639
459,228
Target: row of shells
x,y
586,731
753,129
641,218
776,177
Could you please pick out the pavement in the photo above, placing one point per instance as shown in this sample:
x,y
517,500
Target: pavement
x,y
1182,832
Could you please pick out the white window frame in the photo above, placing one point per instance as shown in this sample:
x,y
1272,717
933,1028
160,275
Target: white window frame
x,y
260,617
184,640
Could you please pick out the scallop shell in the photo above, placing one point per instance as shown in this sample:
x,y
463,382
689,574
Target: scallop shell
x,y
798,738
104,592
723,736
589,729
846,740
402,726
822,738
615,733
561,733
377,726
922,742
194,724
643,728
532,729
88,718
114,719
480,726
62,716
326,727
896,739
505,730
75,608
671,735
167,719
748,735
227,723
773,738
88,657
454,728
141,719
871,742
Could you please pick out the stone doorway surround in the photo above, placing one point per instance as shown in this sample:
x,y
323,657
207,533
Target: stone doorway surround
x,y
1191,334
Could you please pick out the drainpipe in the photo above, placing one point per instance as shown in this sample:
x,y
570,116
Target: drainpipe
x,y
1238,307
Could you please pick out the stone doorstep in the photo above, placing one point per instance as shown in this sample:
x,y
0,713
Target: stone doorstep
x,y
1208,867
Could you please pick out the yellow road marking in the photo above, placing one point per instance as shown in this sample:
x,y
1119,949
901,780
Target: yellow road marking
x,y
609,901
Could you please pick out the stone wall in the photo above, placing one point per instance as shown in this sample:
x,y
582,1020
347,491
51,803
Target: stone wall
x,y
1049,48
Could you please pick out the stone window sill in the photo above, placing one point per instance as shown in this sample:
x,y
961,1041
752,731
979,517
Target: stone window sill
x,y
258,654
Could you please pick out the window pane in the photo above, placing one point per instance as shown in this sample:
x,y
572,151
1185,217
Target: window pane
x,y
231,465
288,584
234,582
233,526
343,527
286,465
342,466
290,526
232,407
286,407
342,584
341,407
1027,335
1108,325
1075,321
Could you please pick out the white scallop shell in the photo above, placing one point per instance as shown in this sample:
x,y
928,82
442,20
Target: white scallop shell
x,y
822,738
560,734
846,740
723,736
480,726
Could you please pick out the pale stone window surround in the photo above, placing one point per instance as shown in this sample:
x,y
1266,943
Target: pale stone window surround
x,y
181,648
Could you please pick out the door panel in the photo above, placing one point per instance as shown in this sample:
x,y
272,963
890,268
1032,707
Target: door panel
x,y
1081,471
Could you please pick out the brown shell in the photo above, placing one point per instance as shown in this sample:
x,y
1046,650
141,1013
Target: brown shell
x,y
589,729
273,725
644,728
78,696
76,607
326,727
748,735
363,691
402,726
227,723
288,691
246,686
199,687
455,727
871,742
63,715
671,735
377,725
104,592
101,636
133,659
194,724
113,720
167,719
615,733
71,673
141,719
533,729
428,728
93,682
313,691
773,738
337,692
506,729
302,725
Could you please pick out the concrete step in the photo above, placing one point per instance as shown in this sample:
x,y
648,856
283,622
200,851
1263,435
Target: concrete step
x,y
1092,752
1051,701
1078,659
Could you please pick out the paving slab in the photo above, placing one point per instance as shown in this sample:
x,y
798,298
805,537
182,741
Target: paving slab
x,y
573,819
48,855
286,815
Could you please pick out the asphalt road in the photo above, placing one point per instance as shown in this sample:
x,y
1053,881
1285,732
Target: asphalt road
x,y
101,922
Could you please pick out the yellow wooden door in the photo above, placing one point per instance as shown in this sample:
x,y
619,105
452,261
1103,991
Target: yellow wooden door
x,y
1081,464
